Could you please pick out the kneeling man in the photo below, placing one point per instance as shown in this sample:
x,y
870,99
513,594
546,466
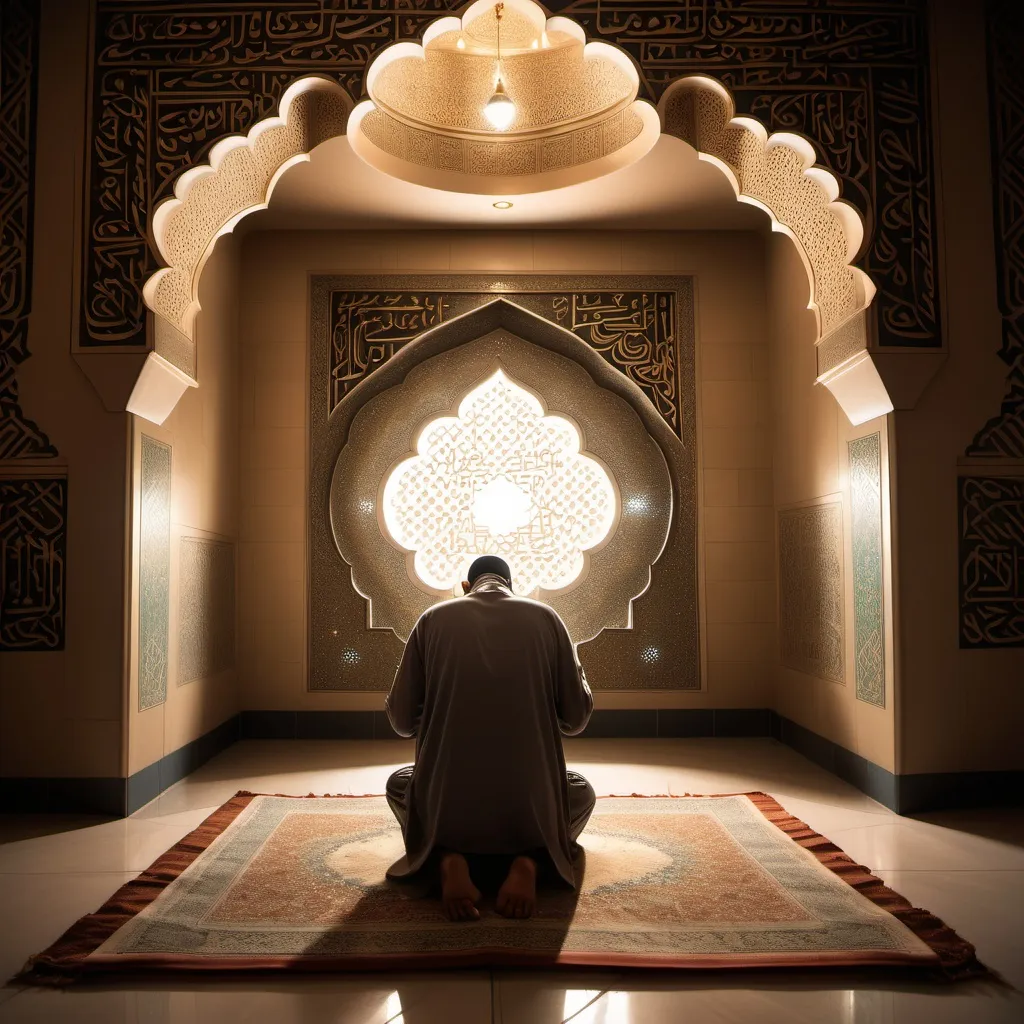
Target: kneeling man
x,y
487,685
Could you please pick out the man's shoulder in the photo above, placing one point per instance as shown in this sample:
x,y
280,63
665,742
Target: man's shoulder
x,y
457,607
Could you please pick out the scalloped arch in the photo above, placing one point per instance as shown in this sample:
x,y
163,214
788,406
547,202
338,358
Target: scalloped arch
x,y
775,172
239,178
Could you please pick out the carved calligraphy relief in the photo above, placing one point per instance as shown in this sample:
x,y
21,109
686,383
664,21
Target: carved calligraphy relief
x,y
33,560
852,75
634,331
1003,435
20,438
991,562
368,328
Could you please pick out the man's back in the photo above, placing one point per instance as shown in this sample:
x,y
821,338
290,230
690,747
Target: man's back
x,y
487,684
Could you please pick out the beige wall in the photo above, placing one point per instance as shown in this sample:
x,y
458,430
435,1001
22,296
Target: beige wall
x,y
203,435
735,456
61,712
810,433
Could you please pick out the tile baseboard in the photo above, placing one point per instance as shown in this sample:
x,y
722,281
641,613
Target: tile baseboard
x,y
904,794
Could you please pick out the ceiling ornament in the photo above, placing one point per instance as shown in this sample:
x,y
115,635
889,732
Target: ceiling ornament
x,y
574,116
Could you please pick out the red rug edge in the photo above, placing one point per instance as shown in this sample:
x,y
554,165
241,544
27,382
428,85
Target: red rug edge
x,y
64,961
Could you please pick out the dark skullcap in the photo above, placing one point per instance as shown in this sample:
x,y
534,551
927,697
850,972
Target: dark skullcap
x,y
490,564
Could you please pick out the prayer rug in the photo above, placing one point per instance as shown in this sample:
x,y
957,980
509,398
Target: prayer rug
x,y
297,883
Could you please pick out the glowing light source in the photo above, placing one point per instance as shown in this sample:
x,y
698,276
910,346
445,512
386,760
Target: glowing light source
x,y
500,110
502,478
502,204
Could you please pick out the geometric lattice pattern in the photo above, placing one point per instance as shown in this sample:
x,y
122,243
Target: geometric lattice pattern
x,y
1003,435
811,590
850,74
154,572
866,531
991,562
633,330
33,558
500,478
206,608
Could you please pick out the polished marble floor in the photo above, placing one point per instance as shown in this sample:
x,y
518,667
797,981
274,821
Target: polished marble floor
x,y
968,867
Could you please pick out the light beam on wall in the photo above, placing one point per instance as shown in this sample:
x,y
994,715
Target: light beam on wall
x,y
502,477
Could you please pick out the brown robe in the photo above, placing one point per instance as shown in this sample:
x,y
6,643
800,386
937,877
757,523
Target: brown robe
x,y
487,685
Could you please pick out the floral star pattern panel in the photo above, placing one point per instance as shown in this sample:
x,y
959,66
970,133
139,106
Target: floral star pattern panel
x,y
33,563
991,562
500,478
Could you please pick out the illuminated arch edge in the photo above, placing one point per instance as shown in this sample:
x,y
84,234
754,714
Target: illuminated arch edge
x,y
401,374
209,200
617,144
777,174
576,450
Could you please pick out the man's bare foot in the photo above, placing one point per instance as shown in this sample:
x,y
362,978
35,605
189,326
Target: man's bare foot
x,y
459,896
517,896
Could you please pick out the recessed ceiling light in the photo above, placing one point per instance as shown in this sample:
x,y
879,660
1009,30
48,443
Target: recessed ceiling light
x,y
504,204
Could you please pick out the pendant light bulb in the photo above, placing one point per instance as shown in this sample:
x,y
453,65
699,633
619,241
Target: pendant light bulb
x,y
500,110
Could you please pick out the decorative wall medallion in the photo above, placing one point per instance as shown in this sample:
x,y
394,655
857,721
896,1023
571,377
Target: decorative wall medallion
x,y
852,75
991,562
811,590
154,571
634,329
866,530
33,560
20,438
206,608
649,642
1003,435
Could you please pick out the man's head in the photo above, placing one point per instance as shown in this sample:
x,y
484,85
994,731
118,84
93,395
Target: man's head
x,y
487,564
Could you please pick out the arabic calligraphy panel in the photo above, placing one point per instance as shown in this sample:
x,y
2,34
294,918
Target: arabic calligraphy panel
x,y
1003,435
20,438
33,559
633,330
852,75
991,562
